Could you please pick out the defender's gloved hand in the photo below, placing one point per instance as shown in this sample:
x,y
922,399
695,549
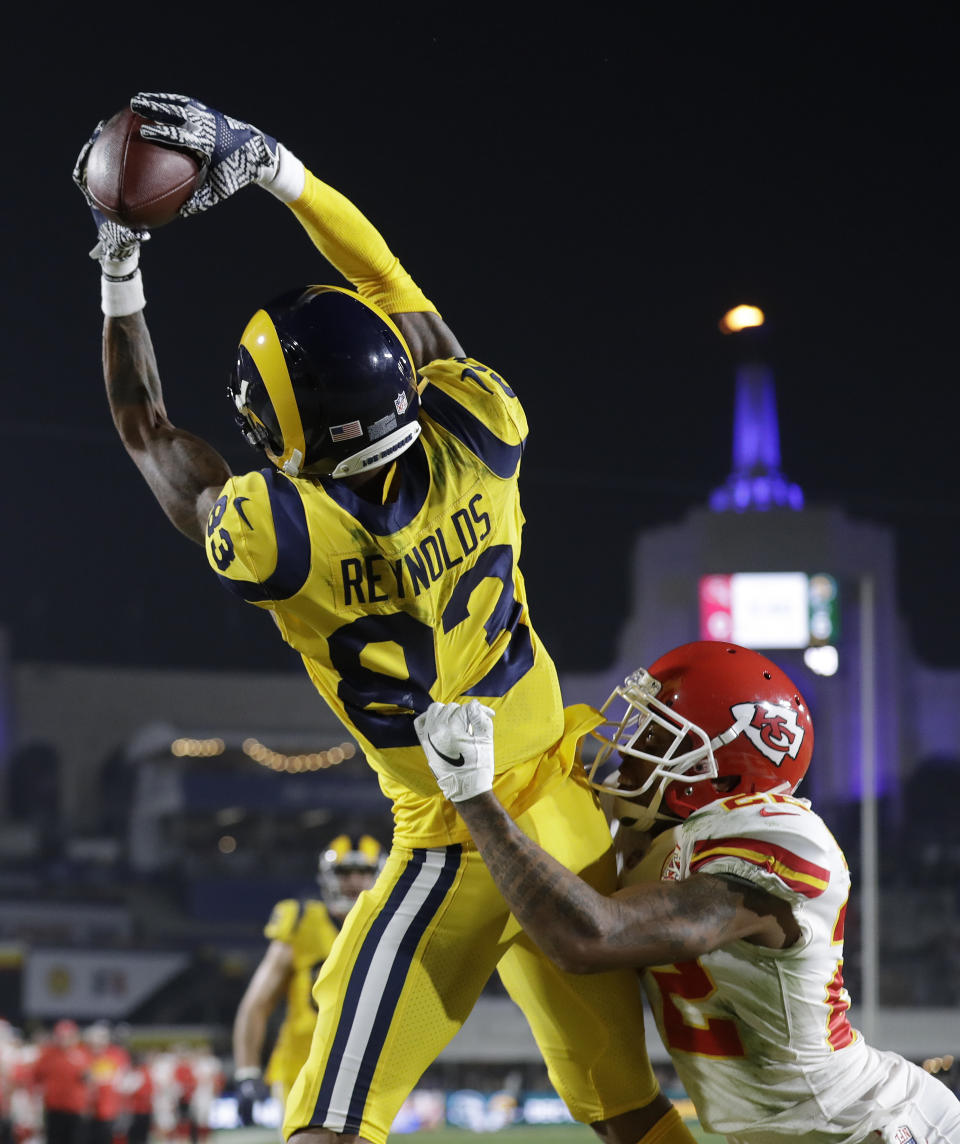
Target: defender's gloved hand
x,y
117,245
458,743
236,153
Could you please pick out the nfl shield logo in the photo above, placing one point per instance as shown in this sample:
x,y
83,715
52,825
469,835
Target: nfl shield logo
x,y
904,1135
400,401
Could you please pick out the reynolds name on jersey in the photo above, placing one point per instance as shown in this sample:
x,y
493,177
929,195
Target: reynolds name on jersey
x,y
373,577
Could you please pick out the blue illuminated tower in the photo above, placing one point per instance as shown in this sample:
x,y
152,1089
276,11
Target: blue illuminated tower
x,y
755,482
758,521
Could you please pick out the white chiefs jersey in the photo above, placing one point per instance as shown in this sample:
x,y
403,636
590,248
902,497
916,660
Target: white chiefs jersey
x,y
760,1037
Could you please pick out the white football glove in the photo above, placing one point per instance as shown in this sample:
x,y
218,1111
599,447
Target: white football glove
x,y
235,153
458,743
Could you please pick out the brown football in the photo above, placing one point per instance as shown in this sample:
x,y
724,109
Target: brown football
x,y
136,182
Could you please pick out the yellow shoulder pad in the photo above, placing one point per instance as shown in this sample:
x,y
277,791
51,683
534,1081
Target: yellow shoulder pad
x,y
482,392
241,539
283,921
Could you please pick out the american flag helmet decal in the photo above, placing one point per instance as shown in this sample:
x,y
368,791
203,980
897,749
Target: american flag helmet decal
x,y
345,432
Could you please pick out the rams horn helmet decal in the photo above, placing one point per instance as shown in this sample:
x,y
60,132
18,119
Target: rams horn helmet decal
x,y
324,383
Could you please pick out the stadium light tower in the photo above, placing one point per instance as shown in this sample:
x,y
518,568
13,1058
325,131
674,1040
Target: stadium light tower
x,y
755,481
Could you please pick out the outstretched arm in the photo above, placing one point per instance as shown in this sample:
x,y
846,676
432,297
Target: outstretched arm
x,y
351,243
581,930
183,471
237,154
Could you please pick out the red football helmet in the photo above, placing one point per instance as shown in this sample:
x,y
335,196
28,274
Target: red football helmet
x,y
704,712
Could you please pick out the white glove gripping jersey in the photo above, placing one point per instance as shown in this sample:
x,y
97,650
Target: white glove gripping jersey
x,y
760,1037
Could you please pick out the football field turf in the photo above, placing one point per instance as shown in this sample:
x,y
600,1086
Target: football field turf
x,y
527,1134
522,1134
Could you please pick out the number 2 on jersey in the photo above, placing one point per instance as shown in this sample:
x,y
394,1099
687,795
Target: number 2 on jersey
x,y
716,1036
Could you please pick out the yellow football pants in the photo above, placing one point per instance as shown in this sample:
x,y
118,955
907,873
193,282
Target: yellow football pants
x,y
413,957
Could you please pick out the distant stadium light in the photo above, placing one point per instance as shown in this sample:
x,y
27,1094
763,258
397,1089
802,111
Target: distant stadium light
x,y
741,318
294,764
197,748
823,660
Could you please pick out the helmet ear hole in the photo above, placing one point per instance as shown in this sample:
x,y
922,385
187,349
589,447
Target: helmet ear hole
x,y
727,784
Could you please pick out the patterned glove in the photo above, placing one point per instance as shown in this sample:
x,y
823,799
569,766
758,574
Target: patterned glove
x,y
235,153
115,243
458,743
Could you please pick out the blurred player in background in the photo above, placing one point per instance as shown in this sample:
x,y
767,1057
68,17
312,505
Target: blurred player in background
x,y
26,1105
62,1075
734,901
384,538
301,933
136,1087
185,1082
166,1093
109,1062
9,1048
208,1084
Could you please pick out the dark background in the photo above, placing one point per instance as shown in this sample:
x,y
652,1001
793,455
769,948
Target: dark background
x,y
583,196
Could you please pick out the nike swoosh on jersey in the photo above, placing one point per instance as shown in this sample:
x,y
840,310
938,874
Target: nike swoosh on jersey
x,y
238,505
458,762
770,813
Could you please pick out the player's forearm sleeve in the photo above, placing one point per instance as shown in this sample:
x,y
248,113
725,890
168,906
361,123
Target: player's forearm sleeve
x,y
347,238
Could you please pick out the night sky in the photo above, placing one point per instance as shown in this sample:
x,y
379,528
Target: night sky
x,y
582,197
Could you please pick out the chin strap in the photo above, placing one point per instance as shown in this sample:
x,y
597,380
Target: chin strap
x,y
388,483
292,467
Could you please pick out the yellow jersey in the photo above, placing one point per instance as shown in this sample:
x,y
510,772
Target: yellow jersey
x,y
395,605
310,932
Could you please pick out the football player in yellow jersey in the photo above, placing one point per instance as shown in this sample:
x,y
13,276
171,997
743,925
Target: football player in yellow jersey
x,y
301,933
383,536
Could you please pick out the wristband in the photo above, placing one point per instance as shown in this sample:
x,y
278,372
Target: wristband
x,y
249,1072
118,267
121,296
288,180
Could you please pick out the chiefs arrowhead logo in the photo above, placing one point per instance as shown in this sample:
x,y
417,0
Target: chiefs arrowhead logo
x,y
772,729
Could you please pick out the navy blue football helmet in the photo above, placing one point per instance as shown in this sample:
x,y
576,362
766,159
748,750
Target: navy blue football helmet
x,y
325,384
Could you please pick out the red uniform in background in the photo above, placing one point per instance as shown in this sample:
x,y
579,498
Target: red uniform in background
x,y
137,1086
108,1065
61,1072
